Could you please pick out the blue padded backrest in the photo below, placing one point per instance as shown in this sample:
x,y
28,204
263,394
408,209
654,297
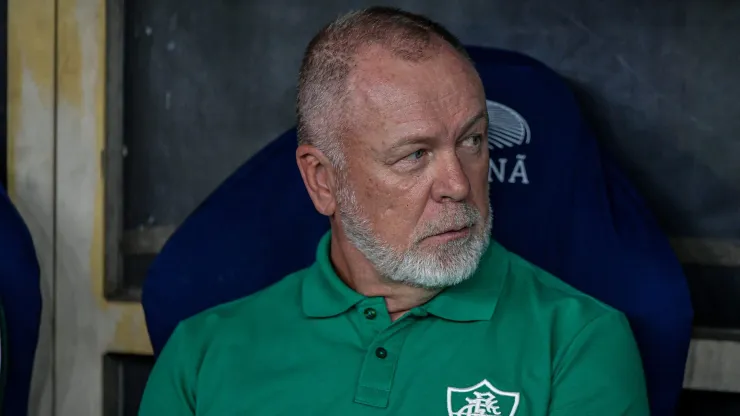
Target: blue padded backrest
x,y
575,214
558,201
20,296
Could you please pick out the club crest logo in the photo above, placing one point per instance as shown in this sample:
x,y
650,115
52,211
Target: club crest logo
x,y
483,399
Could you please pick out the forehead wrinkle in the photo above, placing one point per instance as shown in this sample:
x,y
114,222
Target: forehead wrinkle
x,y
380,92
399,123
392,105
385,92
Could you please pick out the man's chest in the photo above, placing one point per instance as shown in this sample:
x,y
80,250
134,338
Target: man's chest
x,y
419,373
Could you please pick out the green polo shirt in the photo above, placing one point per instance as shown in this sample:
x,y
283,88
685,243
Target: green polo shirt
x,y
511,340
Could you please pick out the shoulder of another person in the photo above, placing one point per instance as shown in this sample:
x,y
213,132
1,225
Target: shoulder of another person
x,y
3,355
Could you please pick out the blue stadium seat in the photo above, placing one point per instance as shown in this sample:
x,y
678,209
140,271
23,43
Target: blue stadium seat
x,y
559,201
20,297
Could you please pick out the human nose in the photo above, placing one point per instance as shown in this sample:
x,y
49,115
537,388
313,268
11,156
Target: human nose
x,y
451,181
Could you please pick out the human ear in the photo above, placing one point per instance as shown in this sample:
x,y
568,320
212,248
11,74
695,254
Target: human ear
x,y
318,176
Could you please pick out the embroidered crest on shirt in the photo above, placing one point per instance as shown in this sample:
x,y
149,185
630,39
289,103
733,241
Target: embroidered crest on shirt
x,y
483,399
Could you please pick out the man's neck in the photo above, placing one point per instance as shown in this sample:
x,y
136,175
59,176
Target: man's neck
x,y
359,274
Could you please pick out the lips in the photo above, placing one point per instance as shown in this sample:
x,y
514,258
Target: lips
x,y
453,230
450,230
451,224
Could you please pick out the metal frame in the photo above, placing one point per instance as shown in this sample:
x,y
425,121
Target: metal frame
x,y
120,242
88,324
116,368
112,157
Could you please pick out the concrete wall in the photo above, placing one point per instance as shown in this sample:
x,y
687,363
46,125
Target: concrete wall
x,y
213,82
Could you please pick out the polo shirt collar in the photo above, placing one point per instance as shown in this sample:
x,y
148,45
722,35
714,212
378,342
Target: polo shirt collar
x,y
475,299
324,294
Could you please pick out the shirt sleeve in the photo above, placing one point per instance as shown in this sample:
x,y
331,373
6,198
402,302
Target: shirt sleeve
x,y
600,372
170,390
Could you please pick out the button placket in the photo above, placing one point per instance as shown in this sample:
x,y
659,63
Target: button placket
x,y
381,353
373,316
370,313
379,366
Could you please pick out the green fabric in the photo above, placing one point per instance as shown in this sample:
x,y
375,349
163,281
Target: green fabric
x,y
512,340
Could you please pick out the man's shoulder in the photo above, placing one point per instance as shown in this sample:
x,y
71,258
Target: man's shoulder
x,y
563,305
581,336
271,304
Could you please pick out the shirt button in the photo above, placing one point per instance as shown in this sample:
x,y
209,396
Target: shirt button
x,y
381,353
370,313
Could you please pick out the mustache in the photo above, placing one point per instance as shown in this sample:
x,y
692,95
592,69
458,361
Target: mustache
x,y
452,219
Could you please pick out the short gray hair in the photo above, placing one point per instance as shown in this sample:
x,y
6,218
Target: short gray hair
x,y
331,54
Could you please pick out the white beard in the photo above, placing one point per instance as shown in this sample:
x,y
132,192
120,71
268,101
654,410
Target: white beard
x,y
448,264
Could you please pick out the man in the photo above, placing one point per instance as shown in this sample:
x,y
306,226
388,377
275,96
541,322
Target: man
x,y
409,307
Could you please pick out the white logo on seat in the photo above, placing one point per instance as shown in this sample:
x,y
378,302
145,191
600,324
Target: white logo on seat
x,y
483,399
506,129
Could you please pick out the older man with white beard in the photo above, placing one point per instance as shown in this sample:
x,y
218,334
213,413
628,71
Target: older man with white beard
x,y
410,308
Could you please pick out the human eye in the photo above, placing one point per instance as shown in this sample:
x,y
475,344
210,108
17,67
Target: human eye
x,y
411,161
473,142
415,156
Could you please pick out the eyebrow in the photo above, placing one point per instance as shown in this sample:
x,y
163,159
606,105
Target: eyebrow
x,y
415,139
483,114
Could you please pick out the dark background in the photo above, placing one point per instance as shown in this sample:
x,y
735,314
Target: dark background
x,y
209,83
